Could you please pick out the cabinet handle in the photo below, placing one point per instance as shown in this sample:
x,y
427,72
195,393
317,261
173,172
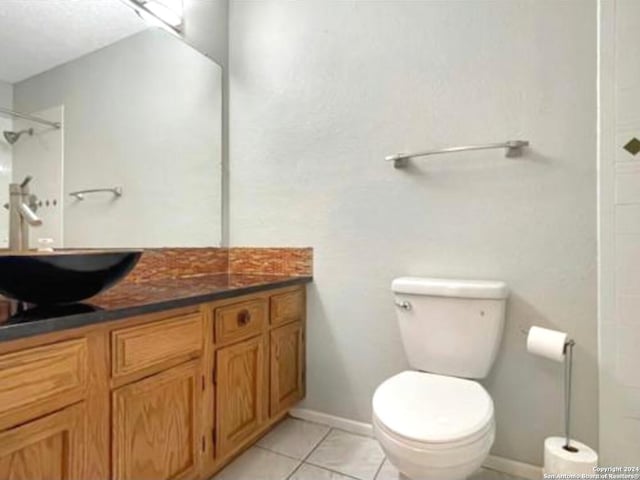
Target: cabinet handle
x,y
244,317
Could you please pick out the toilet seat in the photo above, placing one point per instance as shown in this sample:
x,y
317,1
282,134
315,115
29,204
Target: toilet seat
x,y
427,409
442,448
433,427
439,461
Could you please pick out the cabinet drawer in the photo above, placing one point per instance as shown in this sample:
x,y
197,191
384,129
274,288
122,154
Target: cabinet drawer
x,y
240,320
55,374
152,344
287,307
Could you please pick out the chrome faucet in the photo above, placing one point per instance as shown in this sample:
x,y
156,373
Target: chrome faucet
x,y
22,207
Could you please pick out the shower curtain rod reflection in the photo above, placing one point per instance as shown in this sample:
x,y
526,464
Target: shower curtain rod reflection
x,y
31,118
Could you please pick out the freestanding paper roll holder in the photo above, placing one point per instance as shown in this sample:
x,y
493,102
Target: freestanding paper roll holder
x,y
568,367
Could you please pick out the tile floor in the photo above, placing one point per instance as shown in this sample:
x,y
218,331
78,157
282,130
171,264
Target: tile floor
x,y
299,450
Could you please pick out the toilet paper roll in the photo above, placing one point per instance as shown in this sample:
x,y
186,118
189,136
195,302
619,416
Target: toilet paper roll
x,y
546,343
558,460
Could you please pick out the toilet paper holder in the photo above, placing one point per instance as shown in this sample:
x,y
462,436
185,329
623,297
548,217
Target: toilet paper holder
x,y
568,344
568,367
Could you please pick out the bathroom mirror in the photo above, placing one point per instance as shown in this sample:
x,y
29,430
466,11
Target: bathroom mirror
x,y
129,150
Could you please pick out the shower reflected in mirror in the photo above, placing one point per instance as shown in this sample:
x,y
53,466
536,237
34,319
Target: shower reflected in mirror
x,y
13,137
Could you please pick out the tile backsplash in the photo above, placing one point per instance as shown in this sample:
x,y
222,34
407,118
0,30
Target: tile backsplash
x,y
271,261
164,263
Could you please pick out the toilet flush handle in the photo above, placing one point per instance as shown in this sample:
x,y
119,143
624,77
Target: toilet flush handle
x,y
404,305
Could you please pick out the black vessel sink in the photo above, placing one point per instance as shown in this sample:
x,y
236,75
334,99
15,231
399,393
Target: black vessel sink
x,y
64,276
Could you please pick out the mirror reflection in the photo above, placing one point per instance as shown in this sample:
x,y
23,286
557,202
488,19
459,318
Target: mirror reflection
x,y
117,124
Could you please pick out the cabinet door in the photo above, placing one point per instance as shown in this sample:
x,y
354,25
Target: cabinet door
x,y
50,448
156,428
287,367
241,372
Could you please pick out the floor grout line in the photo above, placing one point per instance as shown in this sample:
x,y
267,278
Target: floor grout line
x,y
342,474
380,467
324,437
294,471
277,453
331,429
363,435
302,462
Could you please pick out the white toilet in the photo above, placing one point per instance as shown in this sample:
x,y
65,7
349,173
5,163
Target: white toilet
x,y
432,422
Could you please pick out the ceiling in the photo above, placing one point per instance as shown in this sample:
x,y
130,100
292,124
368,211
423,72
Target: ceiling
x,y
37,35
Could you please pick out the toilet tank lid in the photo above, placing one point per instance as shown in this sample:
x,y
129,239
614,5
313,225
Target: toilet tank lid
x,y
446,287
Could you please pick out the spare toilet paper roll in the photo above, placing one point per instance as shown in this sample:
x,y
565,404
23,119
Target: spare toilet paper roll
x,y
558,460
546,343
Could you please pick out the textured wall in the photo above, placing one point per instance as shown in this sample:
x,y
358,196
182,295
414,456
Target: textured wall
x,y
322,91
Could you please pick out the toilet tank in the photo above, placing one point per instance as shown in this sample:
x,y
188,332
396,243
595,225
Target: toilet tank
x,y
450,327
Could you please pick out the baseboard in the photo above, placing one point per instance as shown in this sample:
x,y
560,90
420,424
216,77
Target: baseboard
x,y
512,467
340,423
499,464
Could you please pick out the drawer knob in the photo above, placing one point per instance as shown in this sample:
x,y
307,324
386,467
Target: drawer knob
x,y
244,317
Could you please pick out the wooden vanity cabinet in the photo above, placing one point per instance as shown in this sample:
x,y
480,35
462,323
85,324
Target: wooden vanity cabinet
x,y
259,366
172,395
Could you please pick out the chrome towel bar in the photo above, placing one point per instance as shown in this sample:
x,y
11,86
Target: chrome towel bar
x,y
31,118
79,195
513,149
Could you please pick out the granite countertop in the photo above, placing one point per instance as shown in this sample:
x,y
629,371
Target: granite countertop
x,y
130,299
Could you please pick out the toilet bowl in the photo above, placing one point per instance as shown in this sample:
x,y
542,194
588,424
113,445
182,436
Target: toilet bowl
x,y
434,422
433,427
